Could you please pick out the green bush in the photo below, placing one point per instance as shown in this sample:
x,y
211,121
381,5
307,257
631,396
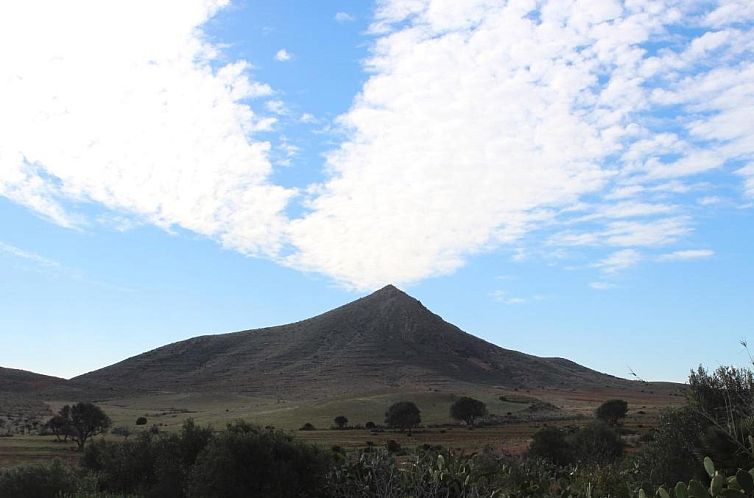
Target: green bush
x,y
596,444
37,481
550,444
149,465
246,461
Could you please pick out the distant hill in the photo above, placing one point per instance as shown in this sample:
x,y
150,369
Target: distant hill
x,y
21,381
387,341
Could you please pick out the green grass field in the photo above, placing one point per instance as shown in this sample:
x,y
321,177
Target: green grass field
x,y
168,411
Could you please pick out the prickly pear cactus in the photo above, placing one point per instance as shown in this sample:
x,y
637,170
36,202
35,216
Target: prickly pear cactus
x,y
738,486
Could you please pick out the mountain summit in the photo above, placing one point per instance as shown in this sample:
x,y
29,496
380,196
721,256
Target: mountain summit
x,y
382,342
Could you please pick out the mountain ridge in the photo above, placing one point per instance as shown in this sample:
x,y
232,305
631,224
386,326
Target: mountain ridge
x,y
385,341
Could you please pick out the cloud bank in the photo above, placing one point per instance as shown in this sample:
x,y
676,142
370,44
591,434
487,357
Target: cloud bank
x,y
484,120
124,104
481,123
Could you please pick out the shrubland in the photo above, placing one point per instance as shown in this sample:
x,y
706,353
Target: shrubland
x,y
703,449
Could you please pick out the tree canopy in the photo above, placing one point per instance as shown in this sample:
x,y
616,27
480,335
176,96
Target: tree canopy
x,y
403,414
79,422
467,409
612,411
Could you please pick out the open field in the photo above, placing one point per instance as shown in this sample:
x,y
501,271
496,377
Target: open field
x,y
168,411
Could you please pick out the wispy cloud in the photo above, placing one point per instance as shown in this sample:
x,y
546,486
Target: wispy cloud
x,y
687,255
41,264
29,256
619,260
601,286
503,297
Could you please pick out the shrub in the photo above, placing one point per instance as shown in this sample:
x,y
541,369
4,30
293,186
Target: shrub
x,y
37,481
393,446
550,444
370,425
340,421
307,427
121,431
612,411
247,461
149,465
672,452
597,443
141,421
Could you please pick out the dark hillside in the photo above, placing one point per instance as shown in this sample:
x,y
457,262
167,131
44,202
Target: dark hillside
x,y
383,342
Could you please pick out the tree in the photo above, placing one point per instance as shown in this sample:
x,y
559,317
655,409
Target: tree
x,y
341,421
141,421
60,424
87,420
467,409
612,411
404,415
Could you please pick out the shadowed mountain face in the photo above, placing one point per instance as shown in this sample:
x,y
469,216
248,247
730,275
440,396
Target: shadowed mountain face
x,y
383,342
21,381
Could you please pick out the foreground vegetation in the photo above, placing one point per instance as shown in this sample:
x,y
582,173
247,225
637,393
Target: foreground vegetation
x,y
590,460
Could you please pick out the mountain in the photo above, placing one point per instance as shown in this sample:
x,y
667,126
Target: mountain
x,y
387,341
21,381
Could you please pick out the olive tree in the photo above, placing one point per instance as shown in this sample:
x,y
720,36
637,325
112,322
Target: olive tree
x,y
467,409
404,415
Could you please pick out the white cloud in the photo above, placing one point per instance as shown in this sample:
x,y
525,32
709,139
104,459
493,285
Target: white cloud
x,y
118,104
628,233
619,260
307,118
480,118
481,122
748,174
276,106
343,17
283,55
687,255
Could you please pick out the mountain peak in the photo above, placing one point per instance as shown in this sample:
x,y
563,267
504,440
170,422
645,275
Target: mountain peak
x,y
388,290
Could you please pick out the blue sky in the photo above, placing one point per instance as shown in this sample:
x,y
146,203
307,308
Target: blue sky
x,y
567,179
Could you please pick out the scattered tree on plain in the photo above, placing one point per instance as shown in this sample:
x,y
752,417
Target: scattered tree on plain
x,y
141,421
79,422
341,421
404,415
612,411
467,409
